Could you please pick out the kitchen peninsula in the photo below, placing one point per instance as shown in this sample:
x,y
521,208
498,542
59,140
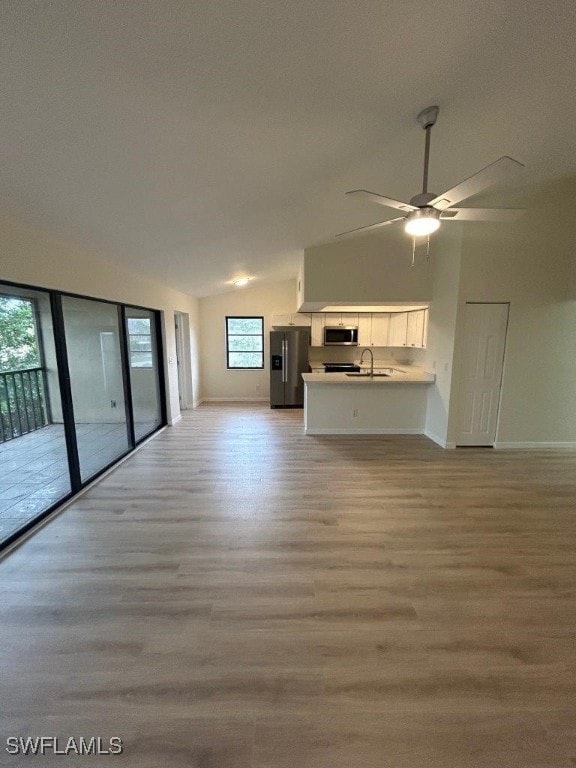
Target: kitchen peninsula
x,y
393,401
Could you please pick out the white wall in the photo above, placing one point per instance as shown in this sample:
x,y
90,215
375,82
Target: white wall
x,y
439,352
217,381
368,269
529,264
36,258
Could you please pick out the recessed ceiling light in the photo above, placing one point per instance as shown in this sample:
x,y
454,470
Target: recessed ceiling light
x,y
240,281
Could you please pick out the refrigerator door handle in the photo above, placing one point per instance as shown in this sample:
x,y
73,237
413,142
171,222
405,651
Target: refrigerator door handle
x,y
284,361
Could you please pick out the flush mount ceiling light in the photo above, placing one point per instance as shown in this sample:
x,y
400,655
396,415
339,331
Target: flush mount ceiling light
x,y
422,215
240,281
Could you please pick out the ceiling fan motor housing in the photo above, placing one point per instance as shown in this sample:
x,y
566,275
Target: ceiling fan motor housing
x,y
423,199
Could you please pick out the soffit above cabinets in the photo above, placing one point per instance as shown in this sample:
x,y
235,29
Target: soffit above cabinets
x,y
371,308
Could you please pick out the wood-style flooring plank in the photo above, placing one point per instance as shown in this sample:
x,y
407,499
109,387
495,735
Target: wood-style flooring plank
x,y
240,595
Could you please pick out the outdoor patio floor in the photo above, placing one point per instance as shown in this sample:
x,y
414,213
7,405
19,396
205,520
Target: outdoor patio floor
x,y
34,468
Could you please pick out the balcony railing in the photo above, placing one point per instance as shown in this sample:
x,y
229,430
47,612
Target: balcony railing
x,y
23,402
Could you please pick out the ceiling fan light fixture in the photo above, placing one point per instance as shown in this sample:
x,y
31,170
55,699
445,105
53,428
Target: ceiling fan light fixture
x,y
240,281
422,222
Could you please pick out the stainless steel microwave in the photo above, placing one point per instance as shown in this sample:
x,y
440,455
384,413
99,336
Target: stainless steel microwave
x,y
341,335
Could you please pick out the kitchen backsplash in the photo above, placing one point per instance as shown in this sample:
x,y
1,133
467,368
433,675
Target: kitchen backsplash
x,y
385,355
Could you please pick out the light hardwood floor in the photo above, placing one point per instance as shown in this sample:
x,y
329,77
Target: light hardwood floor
x,y
239,595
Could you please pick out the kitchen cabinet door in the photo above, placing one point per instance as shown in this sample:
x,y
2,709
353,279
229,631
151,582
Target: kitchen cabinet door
x,y
336,319
301,319
351,318
280,321
364,329
317,339
397,336
380,329
415,328
333,319
412,331
297,318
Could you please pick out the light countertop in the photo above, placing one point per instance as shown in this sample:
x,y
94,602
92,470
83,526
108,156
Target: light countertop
x,y
410,374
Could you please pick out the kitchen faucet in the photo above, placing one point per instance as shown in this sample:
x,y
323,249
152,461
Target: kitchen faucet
x,y
371,360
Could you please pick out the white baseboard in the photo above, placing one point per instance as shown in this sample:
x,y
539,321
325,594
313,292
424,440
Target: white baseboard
x,y
236,400
534,445
362,431
175,420
196,403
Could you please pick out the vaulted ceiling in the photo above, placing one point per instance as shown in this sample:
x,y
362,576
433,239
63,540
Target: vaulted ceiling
x,y
193,141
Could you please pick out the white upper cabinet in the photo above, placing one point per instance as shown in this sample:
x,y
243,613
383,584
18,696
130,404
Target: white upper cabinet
x,y
302,319
376,329
415,336
397,336
298,319
364,329
335,319
380,329
408,329
317,335
351,318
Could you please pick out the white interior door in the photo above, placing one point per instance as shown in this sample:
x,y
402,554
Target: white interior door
x,y
182,330
485,339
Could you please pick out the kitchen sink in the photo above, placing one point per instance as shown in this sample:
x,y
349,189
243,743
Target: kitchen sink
x,y
367,375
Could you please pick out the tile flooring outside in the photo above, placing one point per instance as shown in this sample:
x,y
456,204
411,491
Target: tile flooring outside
x,y
34,468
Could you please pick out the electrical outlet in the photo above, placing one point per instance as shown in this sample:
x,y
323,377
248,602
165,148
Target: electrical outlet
x,y
112,403
355,413
257,387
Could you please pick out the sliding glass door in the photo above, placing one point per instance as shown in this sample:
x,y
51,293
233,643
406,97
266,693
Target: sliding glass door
x,y
144,370
81,384
33,456
92,333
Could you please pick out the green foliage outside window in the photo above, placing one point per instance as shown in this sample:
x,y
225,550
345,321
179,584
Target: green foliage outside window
x,y
18,338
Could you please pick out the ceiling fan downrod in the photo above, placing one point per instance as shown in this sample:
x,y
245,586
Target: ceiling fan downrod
x,y
426,160
427,118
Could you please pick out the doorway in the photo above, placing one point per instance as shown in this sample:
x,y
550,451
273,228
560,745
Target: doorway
x,y
183,361
485,327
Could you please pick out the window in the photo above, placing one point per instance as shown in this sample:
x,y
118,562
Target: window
x,y
245,342
140,342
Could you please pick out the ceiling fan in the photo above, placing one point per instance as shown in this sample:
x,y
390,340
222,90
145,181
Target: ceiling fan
x,y
425,211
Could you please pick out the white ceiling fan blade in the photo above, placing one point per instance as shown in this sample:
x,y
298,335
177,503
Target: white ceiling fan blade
x,y
495,173
482,214
381,200
370,227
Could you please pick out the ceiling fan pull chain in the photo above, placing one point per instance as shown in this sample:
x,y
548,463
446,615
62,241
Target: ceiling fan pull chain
x,y
428,248
413,249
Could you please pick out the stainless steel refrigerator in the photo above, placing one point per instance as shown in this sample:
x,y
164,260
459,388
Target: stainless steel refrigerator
x,y
289,349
